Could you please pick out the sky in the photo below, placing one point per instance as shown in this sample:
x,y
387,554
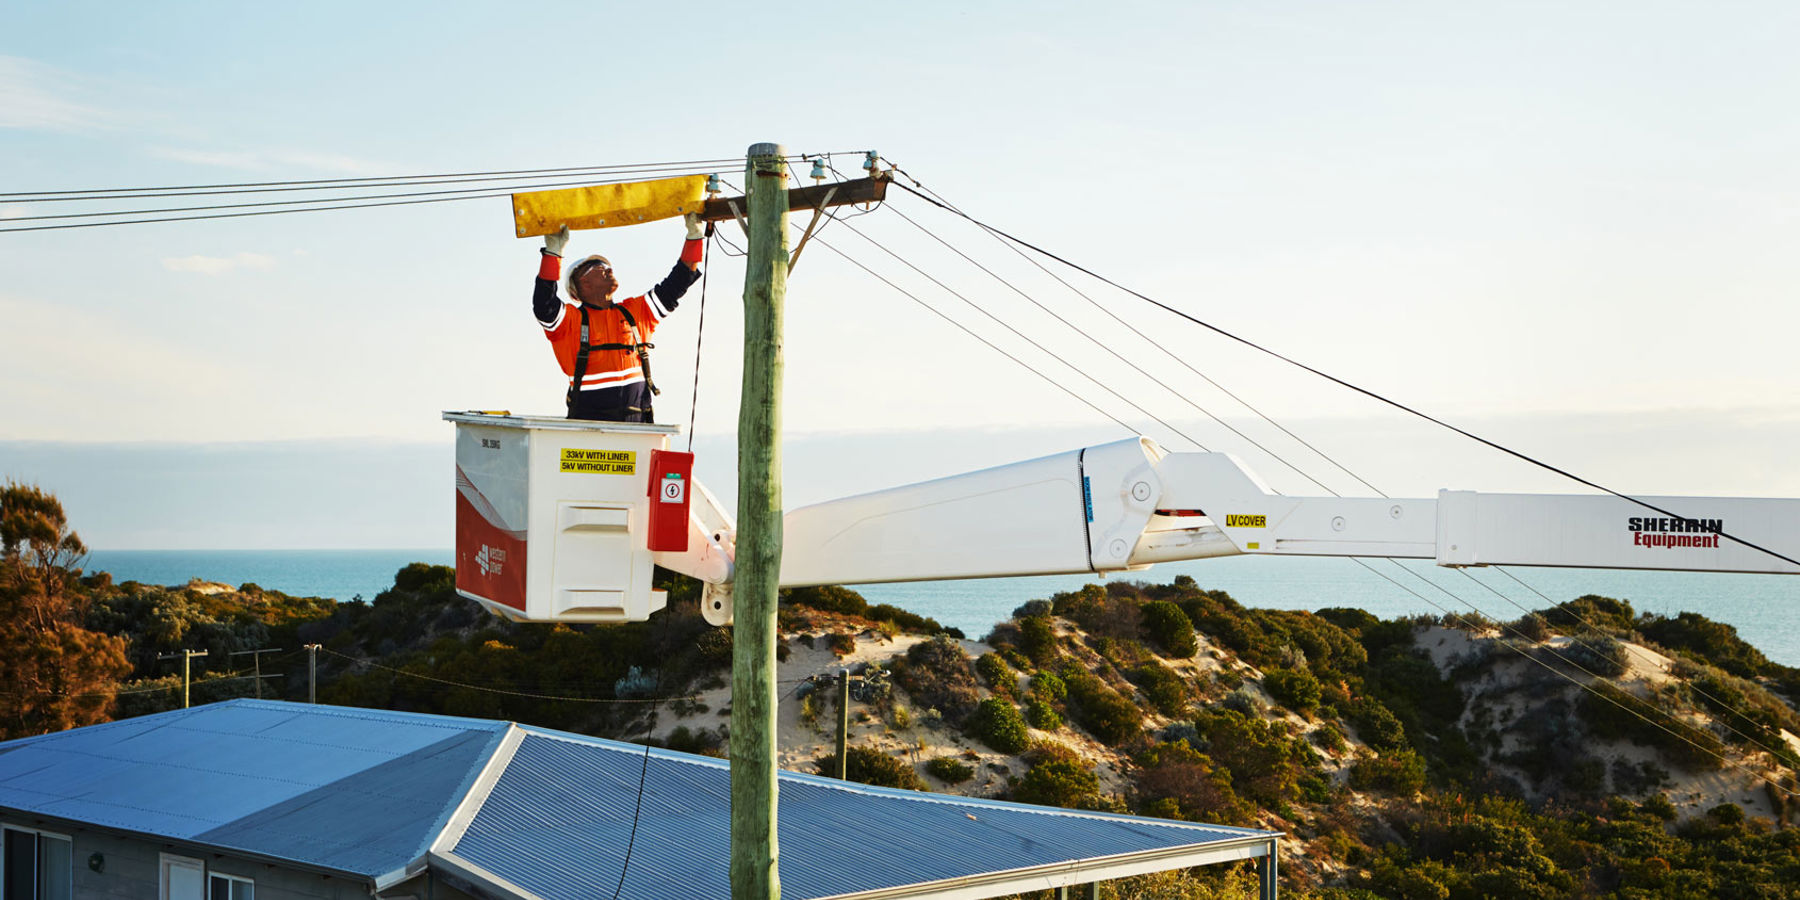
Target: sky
x,y
1569,227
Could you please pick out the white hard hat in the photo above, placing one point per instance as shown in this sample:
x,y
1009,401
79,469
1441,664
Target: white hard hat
x,y
569,283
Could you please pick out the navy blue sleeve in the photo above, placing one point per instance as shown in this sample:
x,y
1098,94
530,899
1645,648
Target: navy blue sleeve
x,y
545,303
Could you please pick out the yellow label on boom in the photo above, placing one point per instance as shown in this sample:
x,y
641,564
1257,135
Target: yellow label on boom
x,y
599,462
1246,521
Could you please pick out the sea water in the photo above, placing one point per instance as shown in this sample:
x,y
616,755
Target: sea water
x,y
1764,608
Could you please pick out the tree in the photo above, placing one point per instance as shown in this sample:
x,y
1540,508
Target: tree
x,y
58,674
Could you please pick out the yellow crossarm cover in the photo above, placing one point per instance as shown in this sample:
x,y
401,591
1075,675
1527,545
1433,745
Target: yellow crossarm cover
x,y
607,205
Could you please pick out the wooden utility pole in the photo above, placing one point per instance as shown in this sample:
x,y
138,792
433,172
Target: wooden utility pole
x,y
312,673
256,657
754,853
187,670
843,735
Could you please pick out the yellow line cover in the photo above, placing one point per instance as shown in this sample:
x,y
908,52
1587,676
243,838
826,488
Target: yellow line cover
x,y
607,205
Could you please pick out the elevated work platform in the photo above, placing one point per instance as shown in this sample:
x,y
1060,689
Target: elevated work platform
x,y
551,515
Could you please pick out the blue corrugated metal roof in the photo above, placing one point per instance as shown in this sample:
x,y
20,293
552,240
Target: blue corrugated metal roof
x,y
558,820
368,792
351,790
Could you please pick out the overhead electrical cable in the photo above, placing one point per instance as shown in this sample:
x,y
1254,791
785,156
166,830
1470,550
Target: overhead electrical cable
x,y
1602,654
1569,678
484,191
1634,650
373,180
1172,355
966,330
1022,336
1459,598
1007,243
1115,353
1341,382
1122,423
493,690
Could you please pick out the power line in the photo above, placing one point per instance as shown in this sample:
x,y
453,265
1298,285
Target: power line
x,y
966,330
1569,678
1022,336
1172,355
1116,354
1004,241
492,690
1359,478
370,181
1341,382
511,189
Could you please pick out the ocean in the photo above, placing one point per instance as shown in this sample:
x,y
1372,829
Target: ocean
x,y
1764,608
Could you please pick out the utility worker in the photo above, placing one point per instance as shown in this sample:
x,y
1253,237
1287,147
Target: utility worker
x,y
603,345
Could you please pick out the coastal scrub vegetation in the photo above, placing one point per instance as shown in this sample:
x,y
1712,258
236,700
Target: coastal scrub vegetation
x,y
1423,757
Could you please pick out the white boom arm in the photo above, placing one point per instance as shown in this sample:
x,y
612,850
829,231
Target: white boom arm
x,y
1130,504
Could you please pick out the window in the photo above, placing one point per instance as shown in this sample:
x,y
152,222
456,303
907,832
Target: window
x,y
230,887
36,865
182,878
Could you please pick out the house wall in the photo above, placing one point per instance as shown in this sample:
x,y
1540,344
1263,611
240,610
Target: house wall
x,y
132,867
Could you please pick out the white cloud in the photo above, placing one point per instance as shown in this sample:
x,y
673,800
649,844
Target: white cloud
x,y
12,212
273,160
218,265
36,97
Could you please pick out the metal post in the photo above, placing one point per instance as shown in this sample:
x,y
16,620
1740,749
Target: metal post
x,y
187,670
843,737
256,658
312,673
754,851
1265,873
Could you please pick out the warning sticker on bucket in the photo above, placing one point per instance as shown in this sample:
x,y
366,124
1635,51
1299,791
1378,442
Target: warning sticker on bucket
x,y
599,462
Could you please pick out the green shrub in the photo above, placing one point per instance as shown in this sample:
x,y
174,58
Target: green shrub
x,y
996,723
1042,715
998,675
841,643
909,622
1048,686
1037,640
1612,713
1697,637
1170,629
1057,781
828,598
1331,737
1399,772
870,766
1295,689
1266,762
1176,781
938,676
1376,724
1110,718
950,770
1165,689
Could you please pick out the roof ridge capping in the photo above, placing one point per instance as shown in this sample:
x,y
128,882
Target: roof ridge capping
x,y
956,800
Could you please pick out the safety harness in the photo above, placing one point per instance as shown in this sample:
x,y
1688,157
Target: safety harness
x,y
637,346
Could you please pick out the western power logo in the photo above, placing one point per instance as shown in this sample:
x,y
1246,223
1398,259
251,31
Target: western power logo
x,y
490,560
1246,521
1673,533
599,462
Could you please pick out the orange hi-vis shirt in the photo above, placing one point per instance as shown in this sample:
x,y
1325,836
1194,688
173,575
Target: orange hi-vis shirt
x,y
614,385
606,326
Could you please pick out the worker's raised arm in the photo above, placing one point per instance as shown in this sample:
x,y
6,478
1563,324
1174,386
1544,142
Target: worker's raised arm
x,y
544,302
667,295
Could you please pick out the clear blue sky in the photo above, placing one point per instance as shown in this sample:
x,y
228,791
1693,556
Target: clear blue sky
x,y
1570,225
